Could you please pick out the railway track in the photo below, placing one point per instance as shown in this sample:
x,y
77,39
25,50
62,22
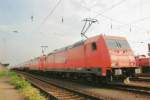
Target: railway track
x,y
54,91
140,79
81,93
144,75
130,88
138,89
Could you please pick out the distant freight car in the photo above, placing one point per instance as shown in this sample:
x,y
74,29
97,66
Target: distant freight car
x,y
99,56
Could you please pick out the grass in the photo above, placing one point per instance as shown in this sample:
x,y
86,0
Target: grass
x,y
21,84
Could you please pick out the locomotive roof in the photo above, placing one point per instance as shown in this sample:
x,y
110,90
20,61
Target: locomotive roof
x,y
94,38
70,46
113,37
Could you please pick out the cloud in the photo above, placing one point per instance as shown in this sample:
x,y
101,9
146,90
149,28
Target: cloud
x,y
16,15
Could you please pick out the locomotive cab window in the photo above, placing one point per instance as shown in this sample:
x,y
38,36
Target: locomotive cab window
x,y
94,47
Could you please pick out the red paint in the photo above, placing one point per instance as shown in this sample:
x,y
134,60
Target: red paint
x,y
84,56
143,61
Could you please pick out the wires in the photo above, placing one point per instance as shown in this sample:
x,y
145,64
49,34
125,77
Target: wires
x,y
38,27
51,12
110,8
121,23
137,21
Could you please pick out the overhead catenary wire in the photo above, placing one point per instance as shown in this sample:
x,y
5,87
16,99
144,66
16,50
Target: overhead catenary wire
x,y
57,4
110,8
136,21
84,30
114,20
119,22
98,14
122,24
51,12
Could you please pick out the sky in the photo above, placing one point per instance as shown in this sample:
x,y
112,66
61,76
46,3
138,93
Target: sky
x,y
21,38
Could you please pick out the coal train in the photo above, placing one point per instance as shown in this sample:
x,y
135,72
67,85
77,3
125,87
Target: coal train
x,y
97,57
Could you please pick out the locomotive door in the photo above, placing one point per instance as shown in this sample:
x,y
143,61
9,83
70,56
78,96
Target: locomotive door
x,y
42,62
90,54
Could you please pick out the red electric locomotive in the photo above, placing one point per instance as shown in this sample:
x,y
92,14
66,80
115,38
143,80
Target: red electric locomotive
x,y
101,55
144,63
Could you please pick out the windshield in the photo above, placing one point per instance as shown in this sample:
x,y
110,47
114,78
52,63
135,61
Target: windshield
x,y
112,43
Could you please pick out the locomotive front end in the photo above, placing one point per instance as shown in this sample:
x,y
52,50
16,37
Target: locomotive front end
x,y
121,57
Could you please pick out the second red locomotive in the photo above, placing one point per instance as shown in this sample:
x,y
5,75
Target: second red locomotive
x,y
144,62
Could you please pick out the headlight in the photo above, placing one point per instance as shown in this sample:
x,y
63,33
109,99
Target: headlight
x,y
137,70
118,72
